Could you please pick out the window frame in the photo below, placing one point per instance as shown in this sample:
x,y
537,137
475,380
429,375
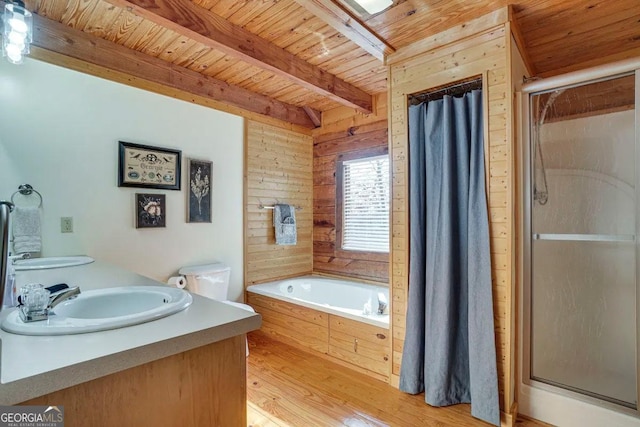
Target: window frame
x,y
341,158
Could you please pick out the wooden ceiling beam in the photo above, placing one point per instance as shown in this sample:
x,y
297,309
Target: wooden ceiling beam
x,y
331,12
203,26
59,38
314,115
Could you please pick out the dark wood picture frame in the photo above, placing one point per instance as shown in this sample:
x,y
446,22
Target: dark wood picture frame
x,y
151,210
146,166
199,194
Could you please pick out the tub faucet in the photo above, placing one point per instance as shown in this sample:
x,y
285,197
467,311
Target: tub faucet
x,y
5,211
14,258
382,303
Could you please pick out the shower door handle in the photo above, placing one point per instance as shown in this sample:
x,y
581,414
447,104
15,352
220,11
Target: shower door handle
x,y
585,237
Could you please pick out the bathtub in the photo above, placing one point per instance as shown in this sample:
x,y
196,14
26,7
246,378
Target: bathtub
x,y
339,297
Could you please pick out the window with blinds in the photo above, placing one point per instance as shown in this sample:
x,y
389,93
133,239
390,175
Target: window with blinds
x,y
365,204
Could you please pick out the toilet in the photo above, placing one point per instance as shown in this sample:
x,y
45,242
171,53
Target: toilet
x,y
211,281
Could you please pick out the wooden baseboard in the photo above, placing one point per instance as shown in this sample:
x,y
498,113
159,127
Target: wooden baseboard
x,y
394,381
509,419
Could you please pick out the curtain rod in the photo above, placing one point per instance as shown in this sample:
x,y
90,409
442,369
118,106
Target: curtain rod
x,y
452,90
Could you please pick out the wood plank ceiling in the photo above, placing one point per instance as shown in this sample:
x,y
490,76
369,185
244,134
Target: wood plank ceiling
x,y
280,50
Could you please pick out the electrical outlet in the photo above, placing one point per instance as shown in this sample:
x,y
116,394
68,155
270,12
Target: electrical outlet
x,y
66,224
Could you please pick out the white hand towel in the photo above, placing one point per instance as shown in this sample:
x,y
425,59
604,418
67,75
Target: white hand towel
x,y
26,230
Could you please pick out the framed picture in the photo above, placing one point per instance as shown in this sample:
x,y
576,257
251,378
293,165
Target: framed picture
x,y
148,167
199,203
151,210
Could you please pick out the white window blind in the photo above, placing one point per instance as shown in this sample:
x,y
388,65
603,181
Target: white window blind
x,y
365,216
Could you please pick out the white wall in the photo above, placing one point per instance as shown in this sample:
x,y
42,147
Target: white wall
x,y
59,131
7,168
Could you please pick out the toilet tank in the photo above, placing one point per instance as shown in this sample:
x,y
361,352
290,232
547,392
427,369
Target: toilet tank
x,y
208,280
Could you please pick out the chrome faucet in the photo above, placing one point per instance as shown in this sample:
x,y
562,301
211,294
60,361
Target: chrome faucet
x,y
63,295
36,308
5,211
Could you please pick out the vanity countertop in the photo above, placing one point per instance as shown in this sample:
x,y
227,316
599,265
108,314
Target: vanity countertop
x,y
32,366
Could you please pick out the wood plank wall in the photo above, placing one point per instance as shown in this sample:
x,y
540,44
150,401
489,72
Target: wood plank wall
x,y
278,168
484,54
343,131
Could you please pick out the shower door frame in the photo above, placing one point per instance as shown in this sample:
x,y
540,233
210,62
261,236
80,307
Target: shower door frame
x,y
525,160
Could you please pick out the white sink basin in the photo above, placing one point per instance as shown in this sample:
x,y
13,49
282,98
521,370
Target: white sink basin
x,y
51,262
103,309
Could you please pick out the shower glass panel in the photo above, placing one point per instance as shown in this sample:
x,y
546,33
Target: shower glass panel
x,y
583,234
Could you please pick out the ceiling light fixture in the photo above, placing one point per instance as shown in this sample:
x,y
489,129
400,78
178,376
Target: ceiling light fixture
x,y
17,33
374,6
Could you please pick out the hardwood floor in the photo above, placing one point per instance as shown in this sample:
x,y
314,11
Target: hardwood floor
x,y
288,387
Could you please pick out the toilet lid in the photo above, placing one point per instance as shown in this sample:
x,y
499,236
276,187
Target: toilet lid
x,y
216,267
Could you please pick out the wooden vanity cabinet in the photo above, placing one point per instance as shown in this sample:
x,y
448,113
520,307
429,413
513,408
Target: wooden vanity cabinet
x,y
202,387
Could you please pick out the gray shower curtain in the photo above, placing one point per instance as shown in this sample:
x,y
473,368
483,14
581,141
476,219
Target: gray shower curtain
x,y
449,350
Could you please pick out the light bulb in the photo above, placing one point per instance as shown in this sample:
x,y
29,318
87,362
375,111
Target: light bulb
x,y
19,46
16,59
13,53
17,23
17,38
12,48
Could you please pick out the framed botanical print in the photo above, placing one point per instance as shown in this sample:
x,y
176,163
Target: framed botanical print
x,y
148,167
199,198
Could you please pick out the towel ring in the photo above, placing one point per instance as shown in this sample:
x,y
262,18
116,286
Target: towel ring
x,y
26,190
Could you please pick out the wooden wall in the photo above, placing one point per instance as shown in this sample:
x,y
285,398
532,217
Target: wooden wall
x,y
343,131
278,168
485,54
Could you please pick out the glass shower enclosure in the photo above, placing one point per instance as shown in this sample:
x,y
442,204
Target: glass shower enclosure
x,y
581,240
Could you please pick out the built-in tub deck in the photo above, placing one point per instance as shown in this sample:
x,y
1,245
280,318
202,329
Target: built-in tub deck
x,y
334,317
